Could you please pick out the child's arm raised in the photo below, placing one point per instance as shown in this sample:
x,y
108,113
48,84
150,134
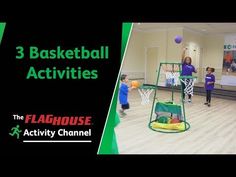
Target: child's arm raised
x,y
195,70
183,54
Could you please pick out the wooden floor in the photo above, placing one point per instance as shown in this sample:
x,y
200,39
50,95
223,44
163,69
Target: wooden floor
x,y
213,130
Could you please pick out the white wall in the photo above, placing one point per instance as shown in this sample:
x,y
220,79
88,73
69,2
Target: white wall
x,y
174,50
204,50
214,47
164,39
195,42
214,51
156,39
134,59
168,50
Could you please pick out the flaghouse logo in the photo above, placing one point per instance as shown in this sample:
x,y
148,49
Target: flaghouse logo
x,y
59,127
58,120
15,131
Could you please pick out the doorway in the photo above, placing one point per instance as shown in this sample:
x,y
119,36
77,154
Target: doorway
x,y
151,65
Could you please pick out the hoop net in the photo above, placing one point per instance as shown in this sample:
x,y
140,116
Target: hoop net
x,y
171,72
172,78
189,84
145,92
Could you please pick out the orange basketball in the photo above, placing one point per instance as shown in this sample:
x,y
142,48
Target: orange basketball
x,y
135,84
174,121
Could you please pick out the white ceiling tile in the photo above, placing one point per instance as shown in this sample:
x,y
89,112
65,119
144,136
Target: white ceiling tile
x,y
211,28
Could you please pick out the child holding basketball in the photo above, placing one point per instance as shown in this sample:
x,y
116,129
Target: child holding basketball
x,y
187,70
123,94
209,85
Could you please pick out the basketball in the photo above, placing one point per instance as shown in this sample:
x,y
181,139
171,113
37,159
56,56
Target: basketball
x,y
174,121
163,119
135,84
178,39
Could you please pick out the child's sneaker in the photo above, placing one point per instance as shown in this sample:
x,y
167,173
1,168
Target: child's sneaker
x,y
206,103
189,100
209,105
122,113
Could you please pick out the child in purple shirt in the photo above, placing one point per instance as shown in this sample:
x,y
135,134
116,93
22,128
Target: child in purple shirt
x,y
209,85
187,70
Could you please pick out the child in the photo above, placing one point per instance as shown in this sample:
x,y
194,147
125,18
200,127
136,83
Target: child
x,y
233,66
123,94
187,70
228,58
209,85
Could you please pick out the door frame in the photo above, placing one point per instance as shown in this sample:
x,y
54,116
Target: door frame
x,y
145,64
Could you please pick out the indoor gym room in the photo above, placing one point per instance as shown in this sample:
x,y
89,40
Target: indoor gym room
x,y
212,129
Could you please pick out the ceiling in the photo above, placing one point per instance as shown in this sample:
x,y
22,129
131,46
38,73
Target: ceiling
x,y
204,28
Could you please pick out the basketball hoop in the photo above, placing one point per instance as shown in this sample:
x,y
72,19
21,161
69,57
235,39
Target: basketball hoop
x,y
172,78
172,74
168,116
145,92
